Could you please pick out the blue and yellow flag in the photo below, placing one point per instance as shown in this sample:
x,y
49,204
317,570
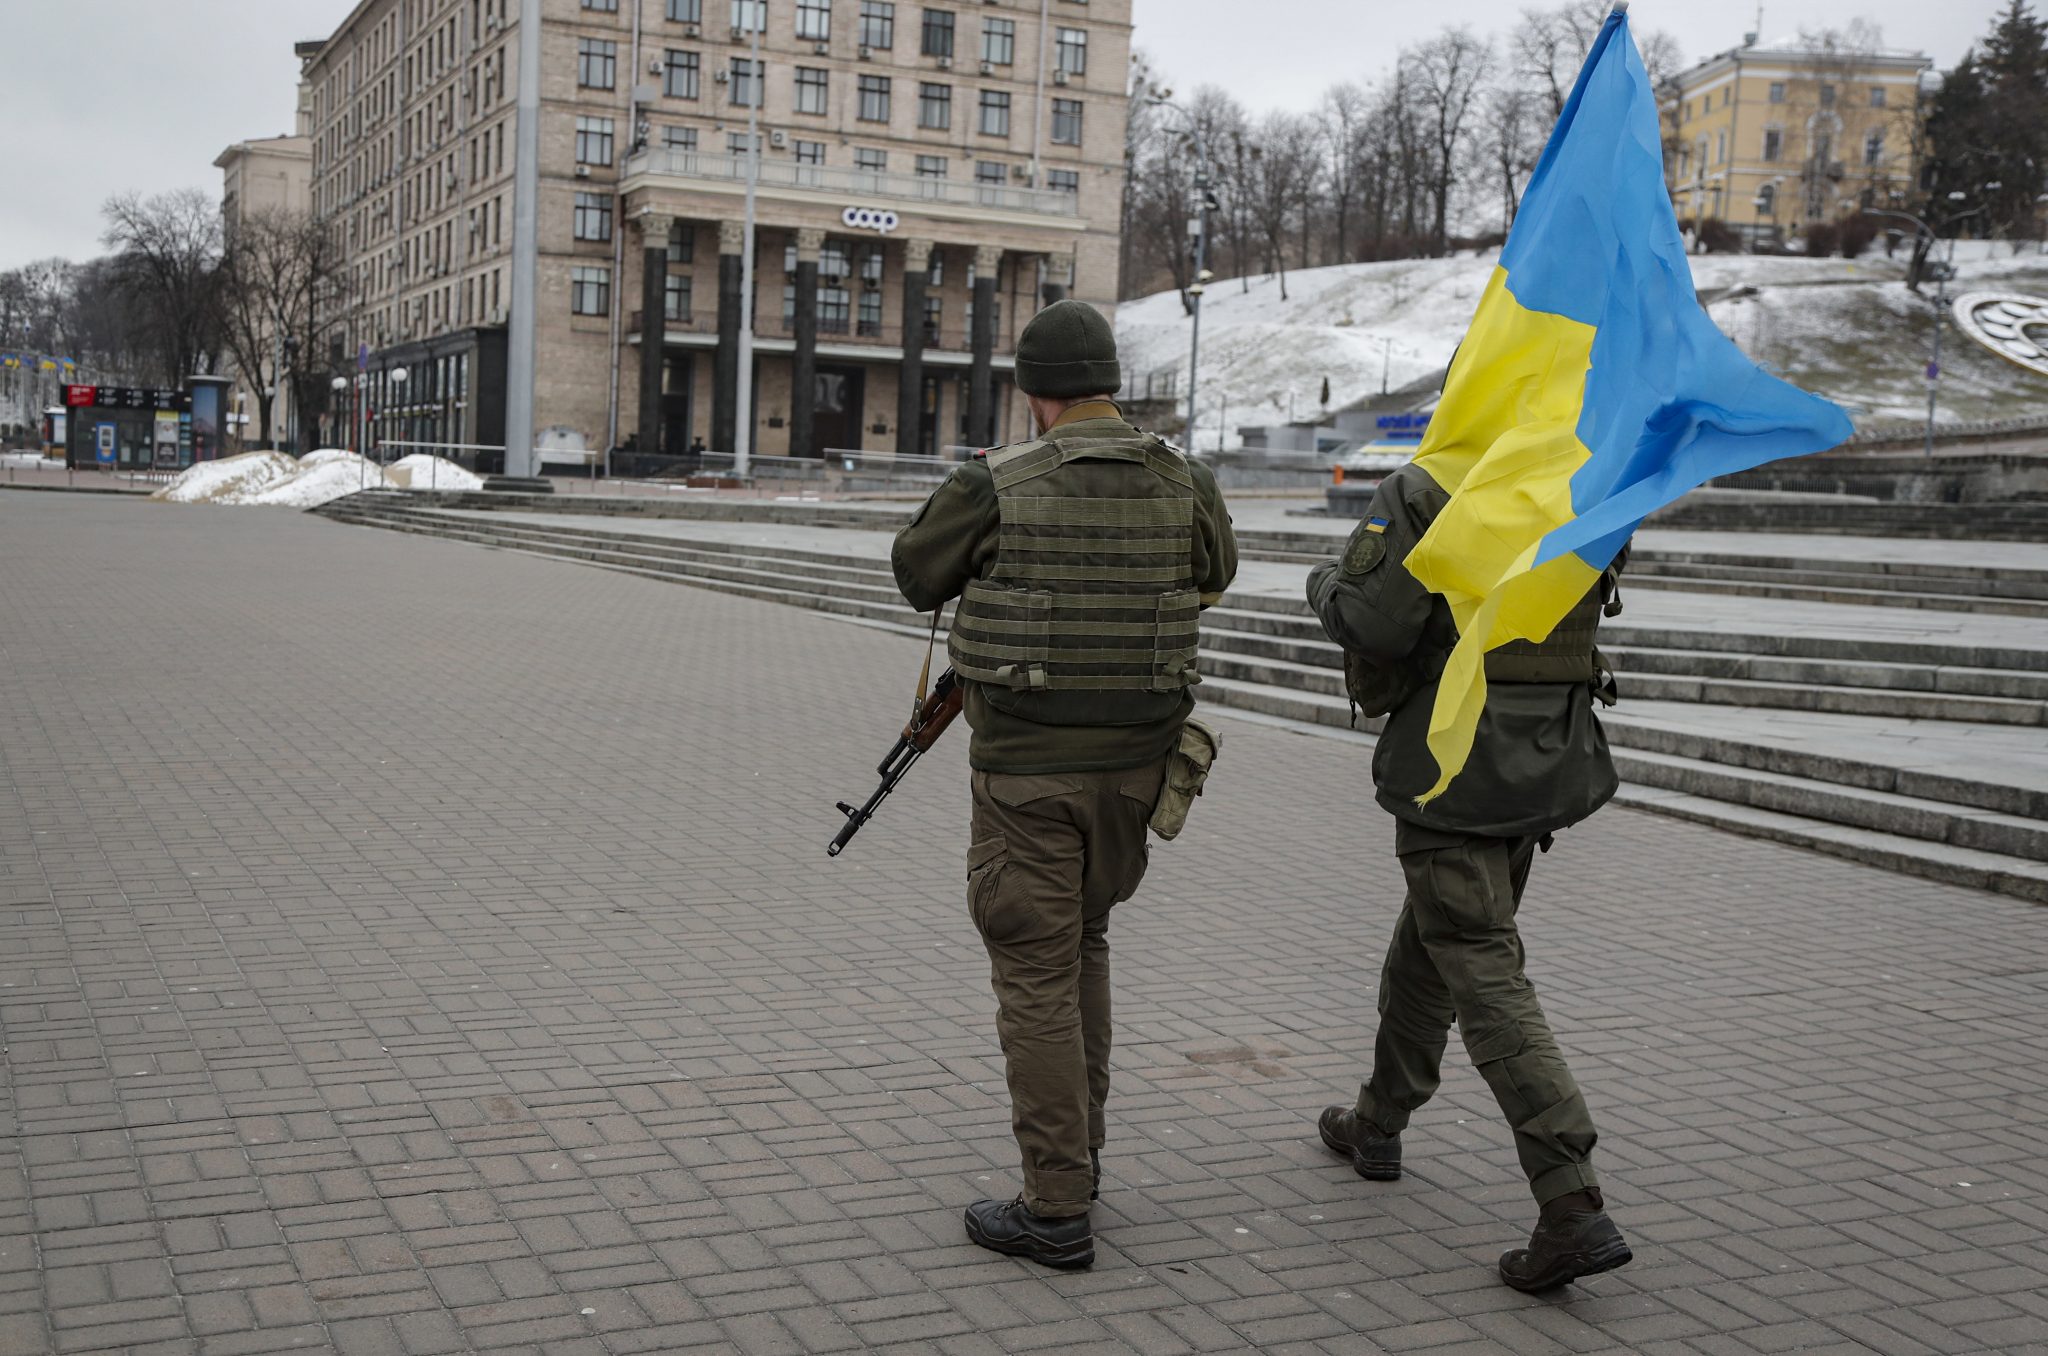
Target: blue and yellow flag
x,y
1591,390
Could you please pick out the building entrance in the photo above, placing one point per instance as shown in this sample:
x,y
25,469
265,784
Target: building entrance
x,y
675,407
841,403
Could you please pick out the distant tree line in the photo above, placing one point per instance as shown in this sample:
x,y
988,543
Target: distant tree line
x,y
179,293
1437,153
1397,169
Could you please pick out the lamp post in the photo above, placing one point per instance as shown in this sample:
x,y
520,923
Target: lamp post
x,y
1199,227
1942,272
340,388
743,403
397,377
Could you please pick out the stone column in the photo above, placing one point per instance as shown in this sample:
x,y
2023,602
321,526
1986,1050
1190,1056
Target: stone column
x,y
917,263
981,421
725,370
654,233
803,371
1052,291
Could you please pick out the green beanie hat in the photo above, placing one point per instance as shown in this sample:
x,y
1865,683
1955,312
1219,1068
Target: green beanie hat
x,y
1067,351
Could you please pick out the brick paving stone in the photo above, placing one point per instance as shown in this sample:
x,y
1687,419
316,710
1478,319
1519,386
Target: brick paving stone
x,y
406,947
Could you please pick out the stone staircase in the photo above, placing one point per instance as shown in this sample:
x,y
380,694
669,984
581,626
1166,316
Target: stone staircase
x,y
1903,583
1776,736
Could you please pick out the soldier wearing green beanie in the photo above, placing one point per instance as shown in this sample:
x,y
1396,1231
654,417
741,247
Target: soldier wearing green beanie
x,y
1081,560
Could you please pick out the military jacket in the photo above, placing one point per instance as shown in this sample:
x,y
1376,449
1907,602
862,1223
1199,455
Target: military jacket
x,y
1540,760
955,540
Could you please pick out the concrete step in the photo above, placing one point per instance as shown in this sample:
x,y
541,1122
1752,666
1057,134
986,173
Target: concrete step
x,y
1874,584
820,565
1286,617
1908,691
514,523
1287,612
1930,826
1645,734
2001,684
1706,772
1683,682
1849,574
1947,864
1817,593
742,574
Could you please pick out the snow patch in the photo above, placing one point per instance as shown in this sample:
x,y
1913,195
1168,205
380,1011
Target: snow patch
x,y
1846,328
424,471
231,480
276,479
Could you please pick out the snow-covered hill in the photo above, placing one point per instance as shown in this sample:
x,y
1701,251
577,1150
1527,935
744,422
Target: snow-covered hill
x,y
1848,329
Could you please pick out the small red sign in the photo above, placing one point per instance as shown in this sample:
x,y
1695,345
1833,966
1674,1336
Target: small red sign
x,y
81,397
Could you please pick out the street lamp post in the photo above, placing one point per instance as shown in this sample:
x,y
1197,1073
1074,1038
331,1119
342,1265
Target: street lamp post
x,y
340,388
743,428
1203,190
1942,271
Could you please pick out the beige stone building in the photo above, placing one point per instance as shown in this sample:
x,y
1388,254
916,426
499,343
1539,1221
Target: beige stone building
x,y
269,175
930,174
1769,138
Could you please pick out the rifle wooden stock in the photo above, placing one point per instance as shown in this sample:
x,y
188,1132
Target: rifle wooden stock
x,y
933,715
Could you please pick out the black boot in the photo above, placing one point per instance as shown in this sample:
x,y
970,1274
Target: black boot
x,y
1574,1238
1375,1157
1007,1227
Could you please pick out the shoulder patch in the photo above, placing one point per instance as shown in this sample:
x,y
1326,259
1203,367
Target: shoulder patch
x,y
1368,548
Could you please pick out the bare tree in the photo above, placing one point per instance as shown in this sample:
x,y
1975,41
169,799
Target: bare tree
x,y
1835,57
167,249
1511,132
1283,172
1341,122
1448,72
276,269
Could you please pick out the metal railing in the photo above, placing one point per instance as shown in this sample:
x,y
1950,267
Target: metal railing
x,y
855,183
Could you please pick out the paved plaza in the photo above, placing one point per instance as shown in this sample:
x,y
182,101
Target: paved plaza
x,y
411,947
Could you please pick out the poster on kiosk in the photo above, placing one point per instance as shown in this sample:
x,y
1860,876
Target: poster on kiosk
x,y
166,440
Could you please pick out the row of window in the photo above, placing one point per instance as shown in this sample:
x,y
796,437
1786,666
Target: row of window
x,y
877,31
590,293
595,137
683,79
1778,95
1774,150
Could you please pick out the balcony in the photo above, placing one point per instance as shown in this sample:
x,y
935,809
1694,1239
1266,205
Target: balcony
x,y
780,177
700,329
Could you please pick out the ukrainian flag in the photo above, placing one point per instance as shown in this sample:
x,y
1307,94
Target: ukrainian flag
x,y
1591,390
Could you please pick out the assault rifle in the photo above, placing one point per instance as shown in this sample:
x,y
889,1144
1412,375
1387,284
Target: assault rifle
x,y
933,715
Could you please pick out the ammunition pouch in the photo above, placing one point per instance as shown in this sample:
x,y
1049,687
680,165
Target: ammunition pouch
x,y
1187,771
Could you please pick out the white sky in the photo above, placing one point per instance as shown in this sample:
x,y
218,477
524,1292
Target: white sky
x,y
98,96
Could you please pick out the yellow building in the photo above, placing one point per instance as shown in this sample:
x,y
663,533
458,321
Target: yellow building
x,y
1769,138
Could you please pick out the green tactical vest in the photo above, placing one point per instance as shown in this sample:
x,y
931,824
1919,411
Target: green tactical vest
x,y
1093,586
1567,655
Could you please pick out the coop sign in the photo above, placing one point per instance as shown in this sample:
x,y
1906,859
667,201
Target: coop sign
x,y
2014,327
870,219
1403,427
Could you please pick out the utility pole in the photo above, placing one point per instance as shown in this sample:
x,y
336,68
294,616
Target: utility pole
x,y
519,368
743,429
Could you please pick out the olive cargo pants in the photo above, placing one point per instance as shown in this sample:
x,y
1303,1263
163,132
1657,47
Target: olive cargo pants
x,y
1049,858
1457,956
